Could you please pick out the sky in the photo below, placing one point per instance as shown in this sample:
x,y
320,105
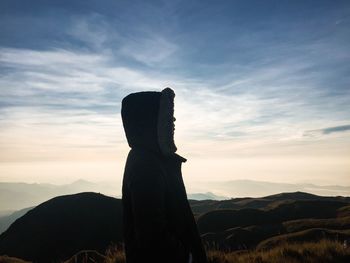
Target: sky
x,y
262,87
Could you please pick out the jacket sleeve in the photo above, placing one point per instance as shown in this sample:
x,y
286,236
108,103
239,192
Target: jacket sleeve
x,y
154,241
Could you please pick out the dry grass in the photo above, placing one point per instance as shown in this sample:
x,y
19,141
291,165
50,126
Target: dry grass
x,y
328,223
6,259
115,254
324,251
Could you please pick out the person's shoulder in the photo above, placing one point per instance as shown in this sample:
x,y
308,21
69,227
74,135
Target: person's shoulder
x,y
143,162
141,156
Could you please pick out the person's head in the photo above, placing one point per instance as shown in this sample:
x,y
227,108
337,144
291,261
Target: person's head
x,y
148,119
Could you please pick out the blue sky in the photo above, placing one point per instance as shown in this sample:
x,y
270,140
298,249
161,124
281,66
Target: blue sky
x,y
261,84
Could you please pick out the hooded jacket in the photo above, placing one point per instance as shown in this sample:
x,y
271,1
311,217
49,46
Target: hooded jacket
x,y
158,223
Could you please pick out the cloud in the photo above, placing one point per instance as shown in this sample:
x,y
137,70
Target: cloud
x,y
67,92
326,131
149,50
336,129
92,30
252,93
68,71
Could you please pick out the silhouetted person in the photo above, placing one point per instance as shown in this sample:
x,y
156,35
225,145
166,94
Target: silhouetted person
x,y
158,222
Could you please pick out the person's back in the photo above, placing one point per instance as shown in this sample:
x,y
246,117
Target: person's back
x,y
158,223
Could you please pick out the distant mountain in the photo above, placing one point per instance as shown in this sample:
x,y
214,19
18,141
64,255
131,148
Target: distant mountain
x,y
205,196
244,188
62,226
16,196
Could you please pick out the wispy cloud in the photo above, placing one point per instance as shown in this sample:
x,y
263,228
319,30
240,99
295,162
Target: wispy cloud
x,y
92,30
74,92
149,50
336,129
329,130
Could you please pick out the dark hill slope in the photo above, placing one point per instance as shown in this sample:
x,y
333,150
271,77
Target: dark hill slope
x,y
62,226
248,237
304,224
220,220
344,211
309,235
6,221
300,196
267,202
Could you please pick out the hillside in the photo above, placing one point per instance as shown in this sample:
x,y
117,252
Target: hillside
x,y
202,206
314,234
245,228
62,226
267,202
221,219
6,221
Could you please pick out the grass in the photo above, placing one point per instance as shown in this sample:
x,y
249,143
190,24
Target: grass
x,y
6,259
310,235
324,251
329,223
313,252
115,254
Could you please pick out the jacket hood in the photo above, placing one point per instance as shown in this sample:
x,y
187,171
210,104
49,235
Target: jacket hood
x,y
148,121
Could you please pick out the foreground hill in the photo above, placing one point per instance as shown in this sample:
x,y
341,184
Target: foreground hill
x,y
310,235
246,228
209,203
219,220
62,226
324,251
